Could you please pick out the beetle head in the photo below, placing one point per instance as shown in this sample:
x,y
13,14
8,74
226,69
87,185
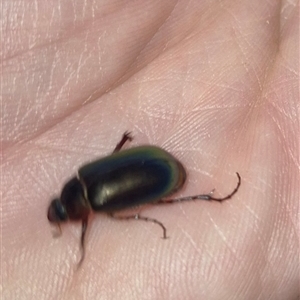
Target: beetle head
x,y
57,212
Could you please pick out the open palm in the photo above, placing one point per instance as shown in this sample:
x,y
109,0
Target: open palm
x,y
213,82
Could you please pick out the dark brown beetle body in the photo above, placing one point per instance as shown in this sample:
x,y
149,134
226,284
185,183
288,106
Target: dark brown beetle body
x,y
122,180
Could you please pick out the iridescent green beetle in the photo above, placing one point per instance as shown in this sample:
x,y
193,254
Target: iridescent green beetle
x,y
123,180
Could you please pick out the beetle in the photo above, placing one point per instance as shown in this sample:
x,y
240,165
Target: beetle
x,y
123,180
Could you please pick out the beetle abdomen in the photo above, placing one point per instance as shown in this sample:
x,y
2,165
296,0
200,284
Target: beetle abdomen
x,y
131,177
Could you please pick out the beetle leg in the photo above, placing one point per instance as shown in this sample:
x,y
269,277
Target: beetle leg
x,y
82,240
126,136
201,197
146,219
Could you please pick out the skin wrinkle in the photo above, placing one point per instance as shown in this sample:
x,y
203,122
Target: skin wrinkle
x,y
120,79
277,108
281,131
214,264
58,96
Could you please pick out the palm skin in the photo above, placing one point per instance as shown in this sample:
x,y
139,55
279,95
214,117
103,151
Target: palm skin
x,y
214,83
